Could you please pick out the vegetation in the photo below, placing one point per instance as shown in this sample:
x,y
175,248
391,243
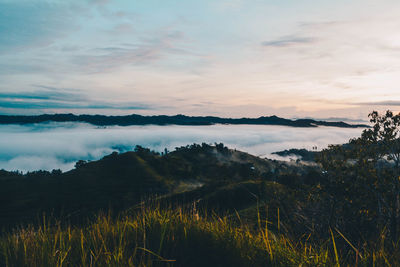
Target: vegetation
x,y
154,237
177,237
209,205
363,180
301,154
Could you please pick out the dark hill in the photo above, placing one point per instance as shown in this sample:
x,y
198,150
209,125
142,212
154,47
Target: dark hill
x,y
134,119
304,154
119,181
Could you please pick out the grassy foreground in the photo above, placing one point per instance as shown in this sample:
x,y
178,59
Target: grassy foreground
x,y
156,237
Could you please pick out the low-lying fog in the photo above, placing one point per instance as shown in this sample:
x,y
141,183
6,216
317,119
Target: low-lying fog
x,y
50,146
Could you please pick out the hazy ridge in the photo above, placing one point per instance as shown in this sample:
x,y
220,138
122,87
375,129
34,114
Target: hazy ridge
x,y
135,119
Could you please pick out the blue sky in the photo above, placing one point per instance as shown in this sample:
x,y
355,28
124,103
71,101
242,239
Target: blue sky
x,y
227,58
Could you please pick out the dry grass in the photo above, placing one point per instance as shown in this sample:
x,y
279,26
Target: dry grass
x,y
156,237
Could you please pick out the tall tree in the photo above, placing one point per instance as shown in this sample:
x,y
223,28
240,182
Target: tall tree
x,y
363,177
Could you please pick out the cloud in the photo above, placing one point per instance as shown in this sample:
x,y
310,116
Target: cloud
x,y
45,105
212,55
145,52
45,97
60,145
380,103
11,68
288,41
99,2
119,57
24,25
51,93
60,98
122,28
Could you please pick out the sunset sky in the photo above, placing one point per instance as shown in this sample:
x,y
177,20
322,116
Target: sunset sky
x,y
234,58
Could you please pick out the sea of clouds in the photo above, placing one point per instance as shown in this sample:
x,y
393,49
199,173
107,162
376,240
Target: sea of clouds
x,y
50,146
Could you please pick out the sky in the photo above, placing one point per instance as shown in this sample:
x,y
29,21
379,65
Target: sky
x,y
291,58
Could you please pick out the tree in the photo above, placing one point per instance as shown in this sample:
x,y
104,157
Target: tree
x,y
383,147
363,178
80,163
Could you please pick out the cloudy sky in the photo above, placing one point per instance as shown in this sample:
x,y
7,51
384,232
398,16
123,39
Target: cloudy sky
x,y
293,58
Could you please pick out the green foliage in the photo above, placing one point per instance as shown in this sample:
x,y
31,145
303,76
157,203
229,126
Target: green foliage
x,y
362,181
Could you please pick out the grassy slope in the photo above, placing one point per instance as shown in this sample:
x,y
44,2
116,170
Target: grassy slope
x,y
224,217
153,237
174,237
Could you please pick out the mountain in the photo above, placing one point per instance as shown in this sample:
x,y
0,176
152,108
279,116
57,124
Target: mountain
x,y
135,119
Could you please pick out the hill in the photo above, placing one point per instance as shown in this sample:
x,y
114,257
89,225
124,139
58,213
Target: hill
x,y
134,119
168,209
303,154
121,180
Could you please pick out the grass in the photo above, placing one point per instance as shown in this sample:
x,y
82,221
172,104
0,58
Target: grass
x,y
172,237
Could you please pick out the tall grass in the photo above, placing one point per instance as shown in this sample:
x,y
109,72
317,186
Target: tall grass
x,y
162,237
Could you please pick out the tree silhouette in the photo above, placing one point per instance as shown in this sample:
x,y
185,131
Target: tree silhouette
x,y
362,177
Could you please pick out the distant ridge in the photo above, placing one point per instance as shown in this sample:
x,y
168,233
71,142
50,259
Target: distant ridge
x,y
135,119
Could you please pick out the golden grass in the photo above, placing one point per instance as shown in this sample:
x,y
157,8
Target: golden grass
x,y
156,237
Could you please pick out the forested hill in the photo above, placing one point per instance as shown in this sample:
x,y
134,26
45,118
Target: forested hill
x,y
135,119
119,181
